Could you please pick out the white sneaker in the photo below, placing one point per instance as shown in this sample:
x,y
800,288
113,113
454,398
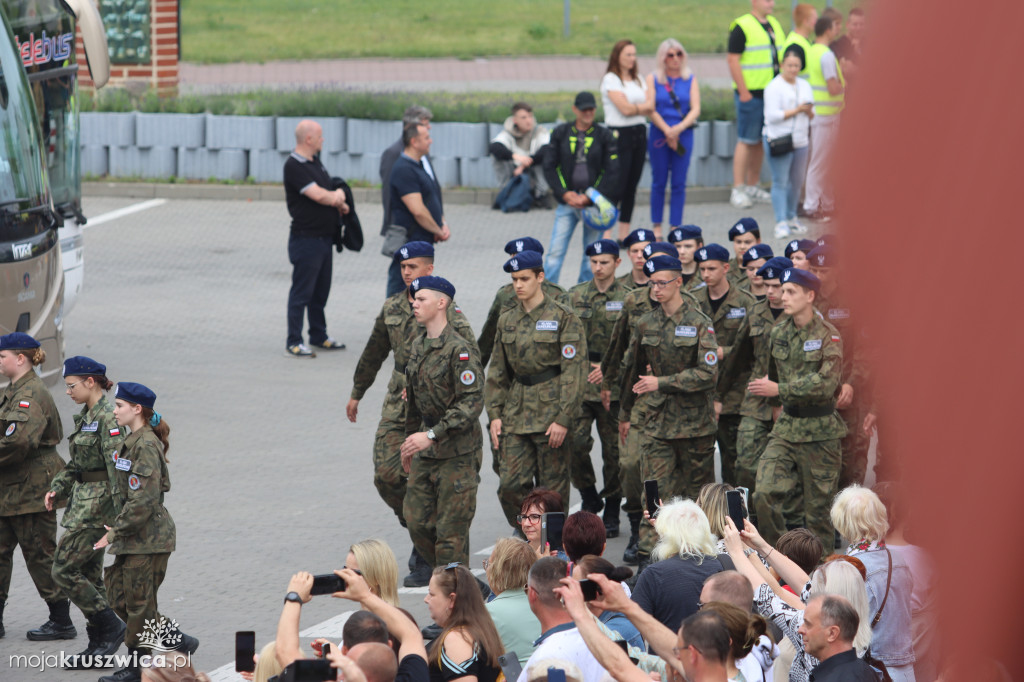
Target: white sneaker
x,y
781,230
758,194
739,198
796,227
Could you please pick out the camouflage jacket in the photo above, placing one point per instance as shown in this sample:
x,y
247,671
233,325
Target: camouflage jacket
x,y
695,282
626,281
504,300
393,332
599,312
445,389
95,444
837,311
750,357
807,364
737,275
30,428
681,350
143,526
548,338
727,321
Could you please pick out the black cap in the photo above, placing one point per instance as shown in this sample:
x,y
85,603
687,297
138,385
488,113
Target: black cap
x,y
585,100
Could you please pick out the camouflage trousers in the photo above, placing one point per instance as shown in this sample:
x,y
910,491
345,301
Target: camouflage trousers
x,y
37,535
681,467
78,569
132,582
728,426
855,447
751,440
528,461
388,476
583,443
440,502
795,486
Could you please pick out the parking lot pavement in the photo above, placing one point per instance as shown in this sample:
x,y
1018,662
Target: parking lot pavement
x,y
269,477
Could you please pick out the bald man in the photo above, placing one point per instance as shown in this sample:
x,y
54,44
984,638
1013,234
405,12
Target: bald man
x,y
376,660
315,210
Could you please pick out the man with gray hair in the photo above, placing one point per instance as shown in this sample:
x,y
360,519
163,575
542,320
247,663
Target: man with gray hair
x,y
830,624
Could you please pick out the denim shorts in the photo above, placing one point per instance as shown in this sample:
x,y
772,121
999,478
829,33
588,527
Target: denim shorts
x,y
749,119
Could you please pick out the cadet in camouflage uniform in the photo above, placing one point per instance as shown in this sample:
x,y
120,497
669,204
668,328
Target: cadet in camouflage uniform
x,y
393,332
598,304
798,474
727,305
744,234
634,244
504,300
854,391
750,356
142,536
687,239
797,250
28,453
89,482
534,388
677,438
444,386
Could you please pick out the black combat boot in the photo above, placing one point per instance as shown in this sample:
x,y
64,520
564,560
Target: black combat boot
x,y
629,556
420,575
58,627
129,673
591,500
186,644
85,659
611,516
414,560
110,631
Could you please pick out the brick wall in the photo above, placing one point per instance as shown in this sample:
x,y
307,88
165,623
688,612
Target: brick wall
x,y
161,74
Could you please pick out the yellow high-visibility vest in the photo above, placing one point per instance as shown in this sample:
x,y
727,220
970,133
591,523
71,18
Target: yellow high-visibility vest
x,y
756,60
798,40
824,103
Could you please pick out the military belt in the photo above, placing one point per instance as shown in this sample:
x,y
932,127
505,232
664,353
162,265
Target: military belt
x,y
91,476
430,422
534,379
808,410
595,356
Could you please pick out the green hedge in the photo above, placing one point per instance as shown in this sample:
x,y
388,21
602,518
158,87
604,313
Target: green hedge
x,y
470,107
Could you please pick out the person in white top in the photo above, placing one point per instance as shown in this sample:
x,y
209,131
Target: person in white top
x,y
788,109
627,102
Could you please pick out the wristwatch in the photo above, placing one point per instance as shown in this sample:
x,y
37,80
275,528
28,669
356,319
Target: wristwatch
x,y
293,596
431,435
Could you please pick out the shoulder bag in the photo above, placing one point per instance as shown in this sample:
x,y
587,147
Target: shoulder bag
x,y
782,145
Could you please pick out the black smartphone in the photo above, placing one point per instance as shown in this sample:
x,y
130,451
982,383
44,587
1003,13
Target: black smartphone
x,y
245,649
591,590
310,670
510,666
325,649
551,530
556,675
327,584
737,509
651,491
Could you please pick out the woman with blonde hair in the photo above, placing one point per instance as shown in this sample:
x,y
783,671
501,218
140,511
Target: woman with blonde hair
x,y
376,562
670,140
508,569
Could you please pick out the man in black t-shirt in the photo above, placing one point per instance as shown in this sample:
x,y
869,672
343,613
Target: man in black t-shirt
x,y
315,210
848,48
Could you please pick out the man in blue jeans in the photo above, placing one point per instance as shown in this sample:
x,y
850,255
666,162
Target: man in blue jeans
x,y
315,210
580,155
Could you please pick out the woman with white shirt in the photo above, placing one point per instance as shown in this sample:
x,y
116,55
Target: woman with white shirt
x,y
788,109
626,104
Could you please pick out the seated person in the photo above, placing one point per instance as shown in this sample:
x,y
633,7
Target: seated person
x,y
517,149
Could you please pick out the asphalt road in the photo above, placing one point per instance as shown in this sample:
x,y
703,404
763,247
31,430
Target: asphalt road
x,y
269,477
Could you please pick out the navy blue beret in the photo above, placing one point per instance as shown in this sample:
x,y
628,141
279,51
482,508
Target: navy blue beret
x,y
603,247
434,283
804,245
824,256
828,239
662,263
17,341
660,247
526,260
135,393
685,232
81,366
744,226
638,236
802,277
773,267
414,250
757,251
523,244
712,252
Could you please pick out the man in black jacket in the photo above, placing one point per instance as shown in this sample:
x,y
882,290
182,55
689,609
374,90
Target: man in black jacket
x,y
580,155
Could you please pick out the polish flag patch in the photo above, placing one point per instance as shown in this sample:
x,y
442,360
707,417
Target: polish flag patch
x,y
115,431
24,403
835,339
464,356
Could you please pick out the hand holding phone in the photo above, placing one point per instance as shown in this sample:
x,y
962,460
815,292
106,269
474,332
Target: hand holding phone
x,y
737,509
590,589
327,584
551,531
653,497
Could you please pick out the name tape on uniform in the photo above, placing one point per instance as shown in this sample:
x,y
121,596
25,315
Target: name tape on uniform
x,y
547,325
89,428
123,464
813,344
613,305
736,313
687,331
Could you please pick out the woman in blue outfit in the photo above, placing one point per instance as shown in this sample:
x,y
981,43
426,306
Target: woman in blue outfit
x,y
670,142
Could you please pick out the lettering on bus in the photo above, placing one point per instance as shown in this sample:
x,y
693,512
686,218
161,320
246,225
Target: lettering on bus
x,y
22,250
46,49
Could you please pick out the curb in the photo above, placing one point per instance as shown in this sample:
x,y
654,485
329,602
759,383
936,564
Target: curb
x,y
455,196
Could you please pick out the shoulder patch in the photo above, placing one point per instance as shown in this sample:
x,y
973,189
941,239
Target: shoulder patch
x,y
464,356
467,377
711,358
116,431
568,351
133,482
24,403
10,429
835,339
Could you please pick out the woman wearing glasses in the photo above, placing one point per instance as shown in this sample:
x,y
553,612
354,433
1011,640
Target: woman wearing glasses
x,y
670,143
540,501
469,645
